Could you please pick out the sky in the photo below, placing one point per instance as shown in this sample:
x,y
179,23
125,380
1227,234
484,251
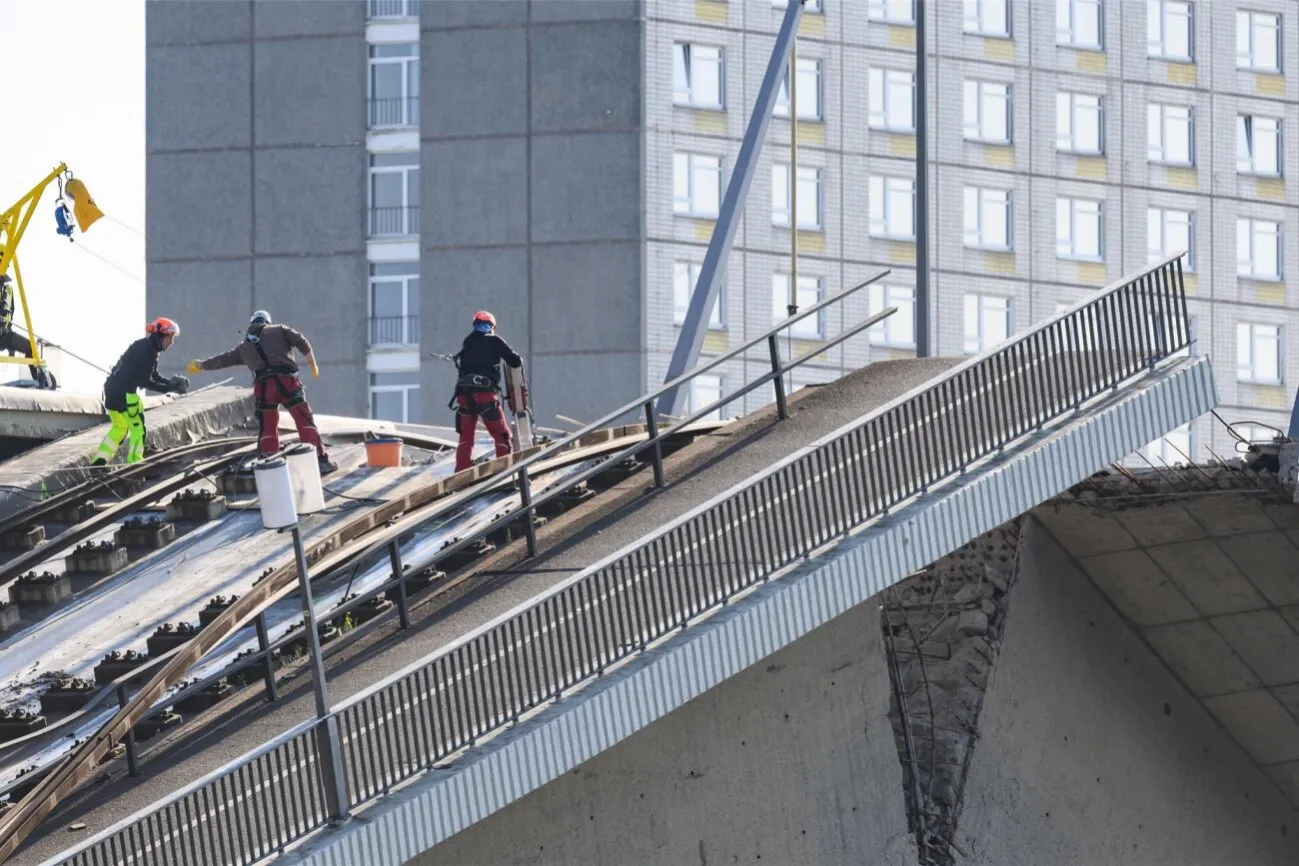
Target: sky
x,y
76,94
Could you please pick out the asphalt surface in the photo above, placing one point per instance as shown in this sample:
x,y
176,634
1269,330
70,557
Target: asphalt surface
x,y
225,733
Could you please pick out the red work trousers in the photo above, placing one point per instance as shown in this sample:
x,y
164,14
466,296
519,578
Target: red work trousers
x,y
284,390
471,407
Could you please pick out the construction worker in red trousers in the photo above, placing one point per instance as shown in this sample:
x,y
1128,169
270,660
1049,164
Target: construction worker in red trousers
x,y
136,369
478,390
267,350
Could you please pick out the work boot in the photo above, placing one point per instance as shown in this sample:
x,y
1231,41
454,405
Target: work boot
x,y
99,461
326,465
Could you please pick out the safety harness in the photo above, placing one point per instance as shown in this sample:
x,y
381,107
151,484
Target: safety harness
x,y
270,371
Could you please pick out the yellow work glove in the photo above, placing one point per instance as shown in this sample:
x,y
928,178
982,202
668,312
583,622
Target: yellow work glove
x,y
193,368
311,362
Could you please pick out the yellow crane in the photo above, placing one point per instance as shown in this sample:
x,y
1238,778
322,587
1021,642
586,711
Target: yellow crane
x,y
13,225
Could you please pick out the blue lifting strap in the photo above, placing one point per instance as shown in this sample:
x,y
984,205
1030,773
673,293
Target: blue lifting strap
x,y
65,224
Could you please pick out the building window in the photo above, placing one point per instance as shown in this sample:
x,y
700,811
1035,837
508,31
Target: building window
x,y
705,390
1258,249
697,75
898,330
394,85
987,17
394,194
987,218
1256,433
1258,353
394,304
393,9
1258,145
1170,136
1171,449
1169,232
1078,229
1078,127
685,276
1258,41
1169,33
395,397
891,100
891,11
809,197
987,322
987,111
697,185
893,207
812,6
809,293
809,91
1078,24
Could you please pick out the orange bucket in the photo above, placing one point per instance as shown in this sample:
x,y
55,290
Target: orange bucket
x,y
383,452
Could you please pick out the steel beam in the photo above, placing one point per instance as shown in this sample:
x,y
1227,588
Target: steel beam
x,y
691,339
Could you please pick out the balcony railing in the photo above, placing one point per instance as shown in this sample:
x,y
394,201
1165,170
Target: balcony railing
x,y
394,330
393,9
394,221
392,112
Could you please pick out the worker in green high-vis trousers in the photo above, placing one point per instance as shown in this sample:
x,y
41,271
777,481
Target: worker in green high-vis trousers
x,y
136,369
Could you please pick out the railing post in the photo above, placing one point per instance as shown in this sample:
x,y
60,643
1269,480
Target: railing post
x,y
399,575
263,645
132,759
782,408
652,429
525,499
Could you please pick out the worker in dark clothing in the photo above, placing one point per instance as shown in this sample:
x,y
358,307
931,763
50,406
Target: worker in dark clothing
x,y
478,390
136,369
267,350
13,343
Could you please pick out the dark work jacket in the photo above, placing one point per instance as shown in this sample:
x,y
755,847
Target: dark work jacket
x,y
136,369
481,355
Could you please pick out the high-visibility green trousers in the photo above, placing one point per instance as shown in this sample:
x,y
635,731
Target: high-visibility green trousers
x,y
125,424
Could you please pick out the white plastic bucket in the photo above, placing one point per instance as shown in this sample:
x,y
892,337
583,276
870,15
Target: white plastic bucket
x,y
304,470
275,493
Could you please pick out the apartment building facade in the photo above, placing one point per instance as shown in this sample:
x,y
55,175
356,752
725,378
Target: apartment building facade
x,y
397,165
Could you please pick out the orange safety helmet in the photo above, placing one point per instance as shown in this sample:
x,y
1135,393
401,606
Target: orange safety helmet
x,y
162,326
484,316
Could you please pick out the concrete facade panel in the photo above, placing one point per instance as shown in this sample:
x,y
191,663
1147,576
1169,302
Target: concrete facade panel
x,y
586,77
462,16
588,299
583,10
185,22
199,205
478,188
280,18
309,201
211,301
458,283
310,91
197,96
473,82
608,207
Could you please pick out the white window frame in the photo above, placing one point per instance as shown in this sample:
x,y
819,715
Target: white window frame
x,y
1252,236
892,11
1071,108
698,169
704,389
408,393
809,91
1249,129
1068,212
886,195
978,97
891,99
1252,340
1168,128
898,331
1160,14
1254,28
1171,449
811,201
811,290
409,223
687,91
408,113
984,206
409,329
1164,229
685,277
1067,15
980,18
980,312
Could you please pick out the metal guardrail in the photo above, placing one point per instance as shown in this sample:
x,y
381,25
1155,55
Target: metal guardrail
x,y
394,330
392,112
379,9
614,609
394,221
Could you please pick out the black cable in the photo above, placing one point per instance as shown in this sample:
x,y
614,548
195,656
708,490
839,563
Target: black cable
x,y
367,499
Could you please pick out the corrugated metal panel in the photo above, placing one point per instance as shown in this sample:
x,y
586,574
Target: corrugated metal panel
x,y
576,728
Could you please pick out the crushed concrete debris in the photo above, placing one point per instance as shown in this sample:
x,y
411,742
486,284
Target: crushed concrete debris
x,y
942,629
1119,489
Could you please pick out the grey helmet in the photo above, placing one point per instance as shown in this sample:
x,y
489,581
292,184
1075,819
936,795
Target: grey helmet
x,y
261,317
